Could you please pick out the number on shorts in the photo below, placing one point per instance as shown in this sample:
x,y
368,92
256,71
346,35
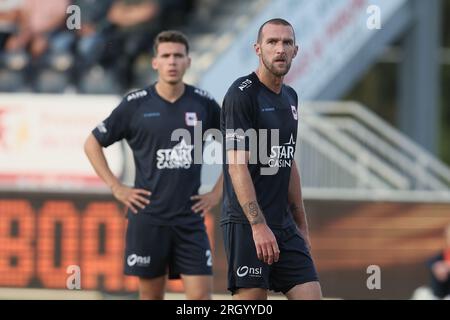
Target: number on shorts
x,y
209,258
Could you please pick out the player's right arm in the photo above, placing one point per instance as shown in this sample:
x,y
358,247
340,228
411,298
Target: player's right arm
x,y
132,198
238,115
115,128
265,242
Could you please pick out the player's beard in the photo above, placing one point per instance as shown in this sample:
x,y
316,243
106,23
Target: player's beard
x,y
279,72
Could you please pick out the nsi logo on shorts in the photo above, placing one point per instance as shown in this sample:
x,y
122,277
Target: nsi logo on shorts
x,y
243,271
135,260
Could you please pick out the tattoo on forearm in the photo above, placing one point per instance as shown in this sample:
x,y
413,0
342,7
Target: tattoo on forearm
x,y
253,209
253,213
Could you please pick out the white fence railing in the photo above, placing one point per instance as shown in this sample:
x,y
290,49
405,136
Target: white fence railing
x,y
344,145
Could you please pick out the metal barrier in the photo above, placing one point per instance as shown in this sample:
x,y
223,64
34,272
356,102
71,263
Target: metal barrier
x,y
346,146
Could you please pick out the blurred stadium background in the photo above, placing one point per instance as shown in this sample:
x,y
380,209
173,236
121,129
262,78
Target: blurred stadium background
x,y
374,134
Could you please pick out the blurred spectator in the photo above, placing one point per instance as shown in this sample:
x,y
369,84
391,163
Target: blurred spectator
x,y
37,48
440,270
91,38
9,18
133,26
38,53
40,21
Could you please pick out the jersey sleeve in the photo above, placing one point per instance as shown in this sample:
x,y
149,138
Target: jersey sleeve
x,y
293,95
214,115
116,126
297,103
238,116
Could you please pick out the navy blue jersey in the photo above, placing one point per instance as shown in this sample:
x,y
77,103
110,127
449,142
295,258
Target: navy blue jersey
x,y
249,104
164,167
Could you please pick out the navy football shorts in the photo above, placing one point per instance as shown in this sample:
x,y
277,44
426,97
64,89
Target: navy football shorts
x,y
154,250
295,265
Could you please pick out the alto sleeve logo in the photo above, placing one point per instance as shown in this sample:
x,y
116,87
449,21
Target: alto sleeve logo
x,y
102,128
246,84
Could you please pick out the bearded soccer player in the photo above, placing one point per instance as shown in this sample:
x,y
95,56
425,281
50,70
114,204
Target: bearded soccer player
x,y
263,220
166,231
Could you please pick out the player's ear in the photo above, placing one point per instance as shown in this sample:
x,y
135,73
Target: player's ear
x,y
257,47
154,63
189,62
295,51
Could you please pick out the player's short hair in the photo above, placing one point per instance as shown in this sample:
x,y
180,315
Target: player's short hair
x,y
170,36
277,21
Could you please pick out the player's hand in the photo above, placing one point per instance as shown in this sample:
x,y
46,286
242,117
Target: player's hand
x,y
132,198
205,202
266,244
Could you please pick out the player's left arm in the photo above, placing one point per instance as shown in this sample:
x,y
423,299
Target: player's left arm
x,y
296,206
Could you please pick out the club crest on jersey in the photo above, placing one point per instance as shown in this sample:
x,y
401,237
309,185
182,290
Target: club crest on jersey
x,y
191,119
294,112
